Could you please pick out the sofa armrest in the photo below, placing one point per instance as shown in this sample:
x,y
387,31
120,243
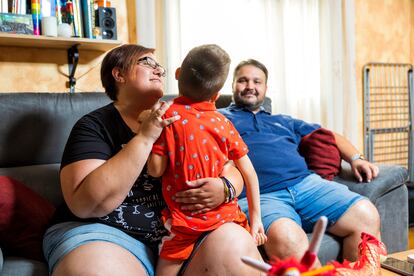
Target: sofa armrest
x,y
1,261
390,177
389,194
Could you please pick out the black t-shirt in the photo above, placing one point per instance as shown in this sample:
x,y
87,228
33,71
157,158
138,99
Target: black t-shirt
x,y
100,135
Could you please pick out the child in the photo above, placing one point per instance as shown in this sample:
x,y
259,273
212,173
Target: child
x,y
196,146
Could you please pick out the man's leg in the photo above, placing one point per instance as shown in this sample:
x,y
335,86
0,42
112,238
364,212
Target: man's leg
x,y
348,213
361,217
285,238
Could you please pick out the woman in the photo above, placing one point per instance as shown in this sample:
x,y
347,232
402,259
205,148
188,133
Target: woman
x,y
110,224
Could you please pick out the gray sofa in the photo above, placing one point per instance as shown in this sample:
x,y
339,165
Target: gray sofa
x,y
33,131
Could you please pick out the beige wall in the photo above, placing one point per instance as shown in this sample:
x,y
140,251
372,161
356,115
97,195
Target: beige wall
x,y
24,69
383,34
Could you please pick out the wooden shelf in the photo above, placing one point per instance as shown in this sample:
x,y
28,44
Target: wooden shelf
x,y
40,41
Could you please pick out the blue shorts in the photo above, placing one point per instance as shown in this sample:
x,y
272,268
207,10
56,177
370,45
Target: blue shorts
x,y
306,202
62,238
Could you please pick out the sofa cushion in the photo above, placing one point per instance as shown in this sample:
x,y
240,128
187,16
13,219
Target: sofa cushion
x,y
21,266
42,179
321,153
1,261
24,216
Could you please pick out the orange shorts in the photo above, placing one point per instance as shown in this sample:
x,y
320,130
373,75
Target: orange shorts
x,y
179,244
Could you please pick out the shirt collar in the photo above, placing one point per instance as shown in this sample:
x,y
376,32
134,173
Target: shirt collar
x,y
201,106
234,107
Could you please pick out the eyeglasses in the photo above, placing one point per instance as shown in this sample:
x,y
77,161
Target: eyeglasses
x,y
147,61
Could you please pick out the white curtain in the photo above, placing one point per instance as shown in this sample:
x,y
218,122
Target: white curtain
x,y
307,46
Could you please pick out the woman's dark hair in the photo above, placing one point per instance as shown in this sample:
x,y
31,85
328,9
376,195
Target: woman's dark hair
x,y
123,57
252,62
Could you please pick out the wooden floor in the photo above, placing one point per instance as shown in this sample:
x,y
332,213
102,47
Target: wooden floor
x,y
411,238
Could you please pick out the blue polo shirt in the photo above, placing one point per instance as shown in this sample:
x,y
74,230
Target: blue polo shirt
x,y
273,142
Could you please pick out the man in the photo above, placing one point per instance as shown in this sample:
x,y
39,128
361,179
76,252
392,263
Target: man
x,y
293,197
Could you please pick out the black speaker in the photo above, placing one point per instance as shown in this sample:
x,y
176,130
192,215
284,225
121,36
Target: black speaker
x,y
105,19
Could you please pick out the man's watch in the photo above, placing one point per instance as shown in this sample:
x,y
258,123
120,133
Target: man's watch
x,y
357,156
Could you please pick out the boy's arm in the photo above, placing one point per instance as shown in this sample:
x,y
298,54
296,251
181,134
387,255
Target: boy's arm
x,y
234,176
253,198
156,164
246,168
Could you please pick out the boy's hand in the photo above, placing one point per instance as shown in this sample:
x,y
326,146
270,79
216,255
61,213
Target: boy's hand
x,y
258,233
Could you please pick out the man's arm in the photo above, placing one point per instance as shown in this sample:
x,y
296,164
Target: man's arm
x,y
359,166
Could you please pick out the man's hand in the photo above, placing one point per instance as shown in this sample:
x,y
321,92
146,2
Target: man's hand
x,y
363,167
202,196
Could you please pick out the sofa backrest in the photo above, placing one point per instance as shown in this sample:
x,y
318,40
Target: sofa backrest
x,y
33,133
34,128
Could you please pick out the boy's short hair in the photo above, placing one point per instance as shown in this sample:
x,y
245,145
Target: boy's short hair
x,y
252,62
124,57
203,72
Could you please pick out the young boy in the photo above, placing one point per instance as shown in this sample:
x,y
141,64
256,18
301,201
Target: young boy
x,y
196,146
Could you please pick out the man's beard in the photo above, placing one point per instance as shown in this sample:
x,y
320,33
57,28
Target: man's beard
x,y
242,102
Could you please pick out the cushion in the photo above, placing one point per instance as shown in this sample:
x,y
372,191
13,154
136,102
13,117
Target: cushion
x,y
24,216
321,153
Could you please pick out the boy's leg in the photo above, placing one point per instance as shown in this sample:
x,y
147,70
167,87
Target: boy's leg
x,y
167,268
174,250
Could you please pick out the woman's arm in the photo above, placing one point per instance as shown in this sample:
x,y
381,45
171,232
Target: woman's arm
x,y
94,188
208,193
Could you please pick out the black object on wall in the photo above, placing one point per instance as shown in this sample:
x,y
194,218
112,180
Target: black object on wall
x,y
105,19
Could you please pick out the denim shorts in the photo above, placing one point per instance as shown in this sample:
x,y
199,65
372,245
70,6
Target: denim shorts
x,y
306,202
62,238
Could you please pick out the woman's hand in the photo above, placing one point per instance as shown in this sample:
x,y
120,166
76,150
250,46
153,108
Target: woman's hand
x,y
202,196
152,122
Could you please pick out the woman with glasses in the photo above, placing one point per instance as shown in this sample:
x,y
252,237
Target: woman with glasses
x,y
110,222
